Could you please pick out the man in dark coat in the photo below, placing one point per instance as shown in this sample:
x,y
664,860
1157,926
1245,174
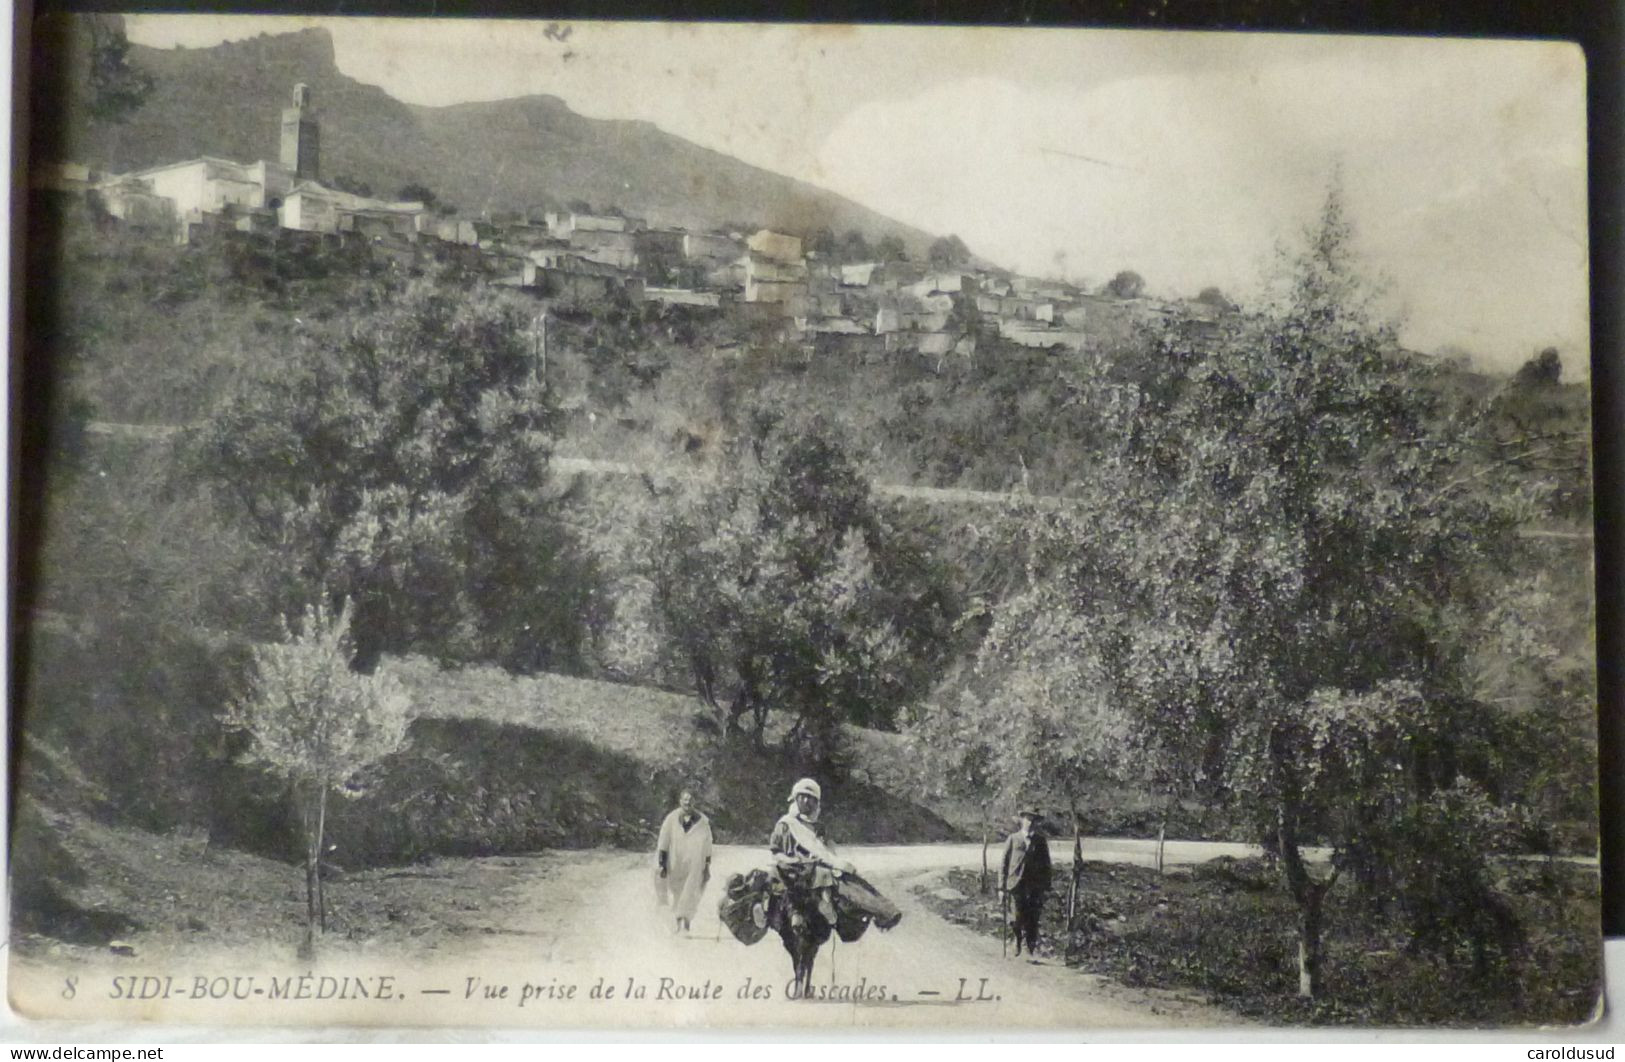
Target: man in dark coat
x,y
1026,877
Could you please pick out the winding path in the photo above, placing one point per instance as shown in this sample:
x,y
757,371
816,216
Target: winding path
x,y
599,919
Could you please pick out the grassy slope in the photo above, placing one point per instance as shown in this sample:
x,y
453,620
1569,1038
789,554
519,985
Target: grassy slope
x,y
651,726
644,745
159,890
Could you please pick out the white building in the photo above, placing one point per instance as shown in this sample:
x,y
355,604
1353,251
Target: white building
x,y
775,246
767,280
313,207
563,223
209,185
939,283
712,246
858,275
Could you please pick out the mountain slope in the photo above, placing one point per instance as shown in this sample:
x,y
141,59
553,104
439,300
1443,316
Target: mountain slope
x,y
485,157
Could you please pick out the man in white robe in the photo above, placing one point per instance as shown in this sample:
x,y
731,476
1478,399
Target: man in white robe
x,y
683,860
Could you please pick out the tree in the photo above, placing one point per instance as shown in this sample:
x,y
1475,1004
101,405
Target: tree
x,y
346,183
854,248
80,76
823,244
317,723
117,88
400,458
952,756
1126,285
947,252
1321,580
891,249
415,192
1032,719
1543,370
1211,296
1275,575
785,590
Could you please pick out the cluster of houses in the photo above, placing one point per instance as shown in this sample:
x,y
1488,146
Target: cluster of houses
x,y
580,258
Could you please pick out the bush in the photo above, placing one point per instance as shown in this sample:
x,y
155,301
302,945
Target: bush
x,y
1126,285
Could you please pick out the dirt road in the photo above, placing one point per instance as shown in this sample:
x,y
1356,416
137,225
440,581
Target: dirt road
x,y
577,939
599,918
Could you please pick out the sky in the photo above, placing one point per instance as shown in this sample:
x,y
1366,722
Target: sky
x,y
1187,157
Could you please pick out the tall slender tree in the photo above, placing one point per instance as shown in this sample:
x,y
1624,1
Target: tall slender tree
x,y
314,721
1270,581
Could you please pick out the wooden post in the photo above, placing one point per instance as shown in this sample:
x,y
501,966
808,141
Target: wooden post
x,y
307,816
321,828
1162,833
1077,873
984,852
1004,922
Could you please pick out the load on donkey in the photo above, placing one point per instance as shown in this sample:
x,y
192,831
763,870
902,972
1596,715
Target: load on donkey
x,y
809,893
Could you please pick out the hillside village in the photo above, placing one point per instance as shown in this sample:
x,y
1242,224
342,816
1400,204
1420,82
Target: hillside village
x,y
846,298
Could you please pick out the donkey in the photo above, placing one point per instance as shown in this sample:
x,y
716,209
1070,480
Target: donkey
x,y
804,930
781,899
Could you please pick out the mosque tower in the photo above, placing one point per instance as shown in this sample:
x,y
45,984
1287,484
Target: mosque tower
x,y
301,140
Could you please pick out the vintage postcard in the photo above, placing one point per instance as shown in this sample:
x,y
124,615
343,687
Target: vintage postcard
x,y
643,525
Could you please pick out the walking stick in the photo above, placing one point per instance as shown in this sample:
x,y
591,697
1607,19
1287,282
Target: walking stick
x,y
1004,921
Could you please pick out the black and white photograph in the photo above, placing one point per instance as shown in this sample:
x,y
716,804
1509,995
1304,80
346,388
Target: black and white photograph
x,y
686,526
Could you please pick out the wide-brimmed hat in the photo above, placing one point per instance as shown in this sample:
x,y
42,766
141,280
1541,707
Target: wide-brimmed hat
x,y
808,787
1031,812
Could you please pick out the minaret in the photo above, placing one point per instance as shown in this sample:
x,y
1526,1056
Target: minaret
x,y
301,142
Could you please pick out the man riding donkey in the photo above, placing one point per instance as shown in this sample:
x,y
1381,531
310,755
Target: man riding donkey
x,y
807,863
810,892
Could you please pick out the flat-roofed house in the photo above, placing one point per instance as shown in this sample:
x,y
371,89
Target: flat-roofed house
x,y
133,201
769,281
606,246
682,297
858,275
452,230
775,246
313,207
832,325
1039,336
713,247
573,280
939,283
210,185
563,223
